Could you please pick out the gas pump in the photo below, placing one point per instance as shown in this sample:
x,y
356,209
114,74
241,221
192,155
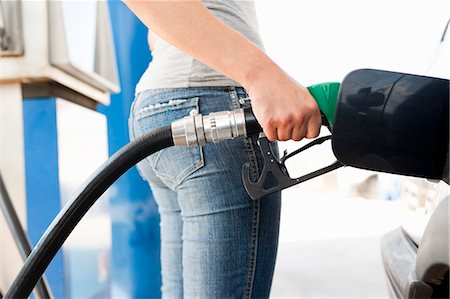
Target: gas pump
x,y
55,71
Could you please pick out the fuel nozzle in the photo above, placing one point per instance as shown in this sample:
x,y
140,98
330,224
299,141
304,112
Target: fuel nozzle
x,y
326,96
197,130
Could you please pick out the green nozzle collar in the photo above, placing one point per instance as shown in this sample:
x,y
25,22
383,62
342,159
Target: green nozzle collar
x,y
326,96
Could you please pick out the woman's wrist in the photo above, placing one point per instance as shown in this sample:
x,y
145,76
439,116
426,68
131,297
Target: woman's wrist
x,y
257,72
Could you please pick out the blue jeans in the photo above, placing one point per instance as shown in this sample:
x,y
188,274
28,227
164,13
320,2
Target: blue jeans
x,y
215,241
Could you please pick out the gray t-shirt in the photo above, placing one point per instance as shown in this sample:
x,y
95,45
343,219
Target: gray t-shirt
x,y
172,68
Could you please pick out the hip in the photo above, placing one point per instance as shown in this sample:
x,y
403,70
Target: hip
x,y
159,107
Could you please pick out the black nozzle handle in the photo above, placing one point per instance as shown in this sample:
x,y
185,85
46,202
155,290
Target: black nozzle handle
x,y
252,126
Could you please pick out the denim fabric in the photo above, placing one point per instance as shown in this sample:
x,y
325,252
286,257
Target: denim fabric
x,y
215,241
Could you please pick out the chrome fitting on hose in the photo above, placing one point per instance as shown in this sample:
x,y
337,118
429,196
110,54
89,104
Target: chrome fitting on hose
x,y
197,130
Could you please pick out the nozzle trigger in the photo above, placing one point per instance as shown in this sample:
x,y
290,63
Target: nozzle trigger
x,y
274,175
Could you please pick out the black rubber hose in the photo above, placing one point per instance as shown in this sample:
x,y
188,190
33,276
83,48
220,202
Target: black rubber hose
x,y
58,231
42,291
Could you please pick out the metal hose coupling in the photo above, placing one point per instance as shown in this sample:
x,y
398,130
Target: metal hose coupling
x,y
197,130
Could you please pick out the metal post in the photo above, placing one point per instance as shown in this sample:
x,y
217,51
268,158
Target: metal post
x,y
42,290
12,166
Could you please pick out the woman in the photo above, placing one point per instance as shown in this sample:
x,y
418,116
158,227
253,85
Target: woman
x,y
207,56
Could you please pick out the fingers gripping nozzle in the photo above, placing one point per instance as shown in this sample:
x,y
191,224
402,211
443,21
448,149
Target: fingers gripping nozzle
x,y
197,130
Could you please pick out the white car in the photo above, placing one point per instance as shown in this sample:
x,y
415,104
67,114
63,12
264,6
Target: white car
x,y
416,255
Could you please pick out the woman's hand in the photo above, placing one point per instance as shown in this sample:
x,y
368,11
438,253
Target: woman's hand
x,y
284,108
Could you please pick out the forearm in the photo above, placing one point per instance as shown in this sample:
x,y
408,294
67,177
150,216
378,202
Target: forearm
x,y
189,26
284,108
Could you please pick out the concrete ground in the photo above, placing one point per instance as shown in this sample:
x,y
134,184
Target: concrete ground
x,y
330,244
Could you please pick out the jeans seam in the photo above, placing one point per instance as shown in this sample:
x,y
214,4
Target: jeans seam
x,y
250,151
253,250
151,109
189,171
131,128
176,179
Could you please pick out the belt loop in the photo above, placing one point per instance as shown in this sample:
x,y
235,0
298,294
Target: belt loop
x,y
234,97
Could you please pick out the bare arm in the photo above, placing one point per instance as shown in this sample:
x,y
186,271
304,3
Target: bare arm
x,y
283,107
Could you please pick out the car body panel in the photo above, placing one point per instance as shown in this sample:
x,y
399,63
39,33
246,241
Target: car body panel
x,y
416,255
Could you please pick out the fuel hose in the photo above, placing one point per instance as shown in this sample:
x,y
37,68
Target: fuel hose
x,y
189,131
82,200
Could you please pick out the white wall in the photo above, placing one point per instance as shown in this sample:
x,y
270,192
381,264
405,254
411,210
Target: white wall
x,y
317,41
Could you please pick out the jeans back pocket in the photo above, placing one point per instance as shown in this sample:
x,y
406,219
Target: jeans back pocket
x,y
174,164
